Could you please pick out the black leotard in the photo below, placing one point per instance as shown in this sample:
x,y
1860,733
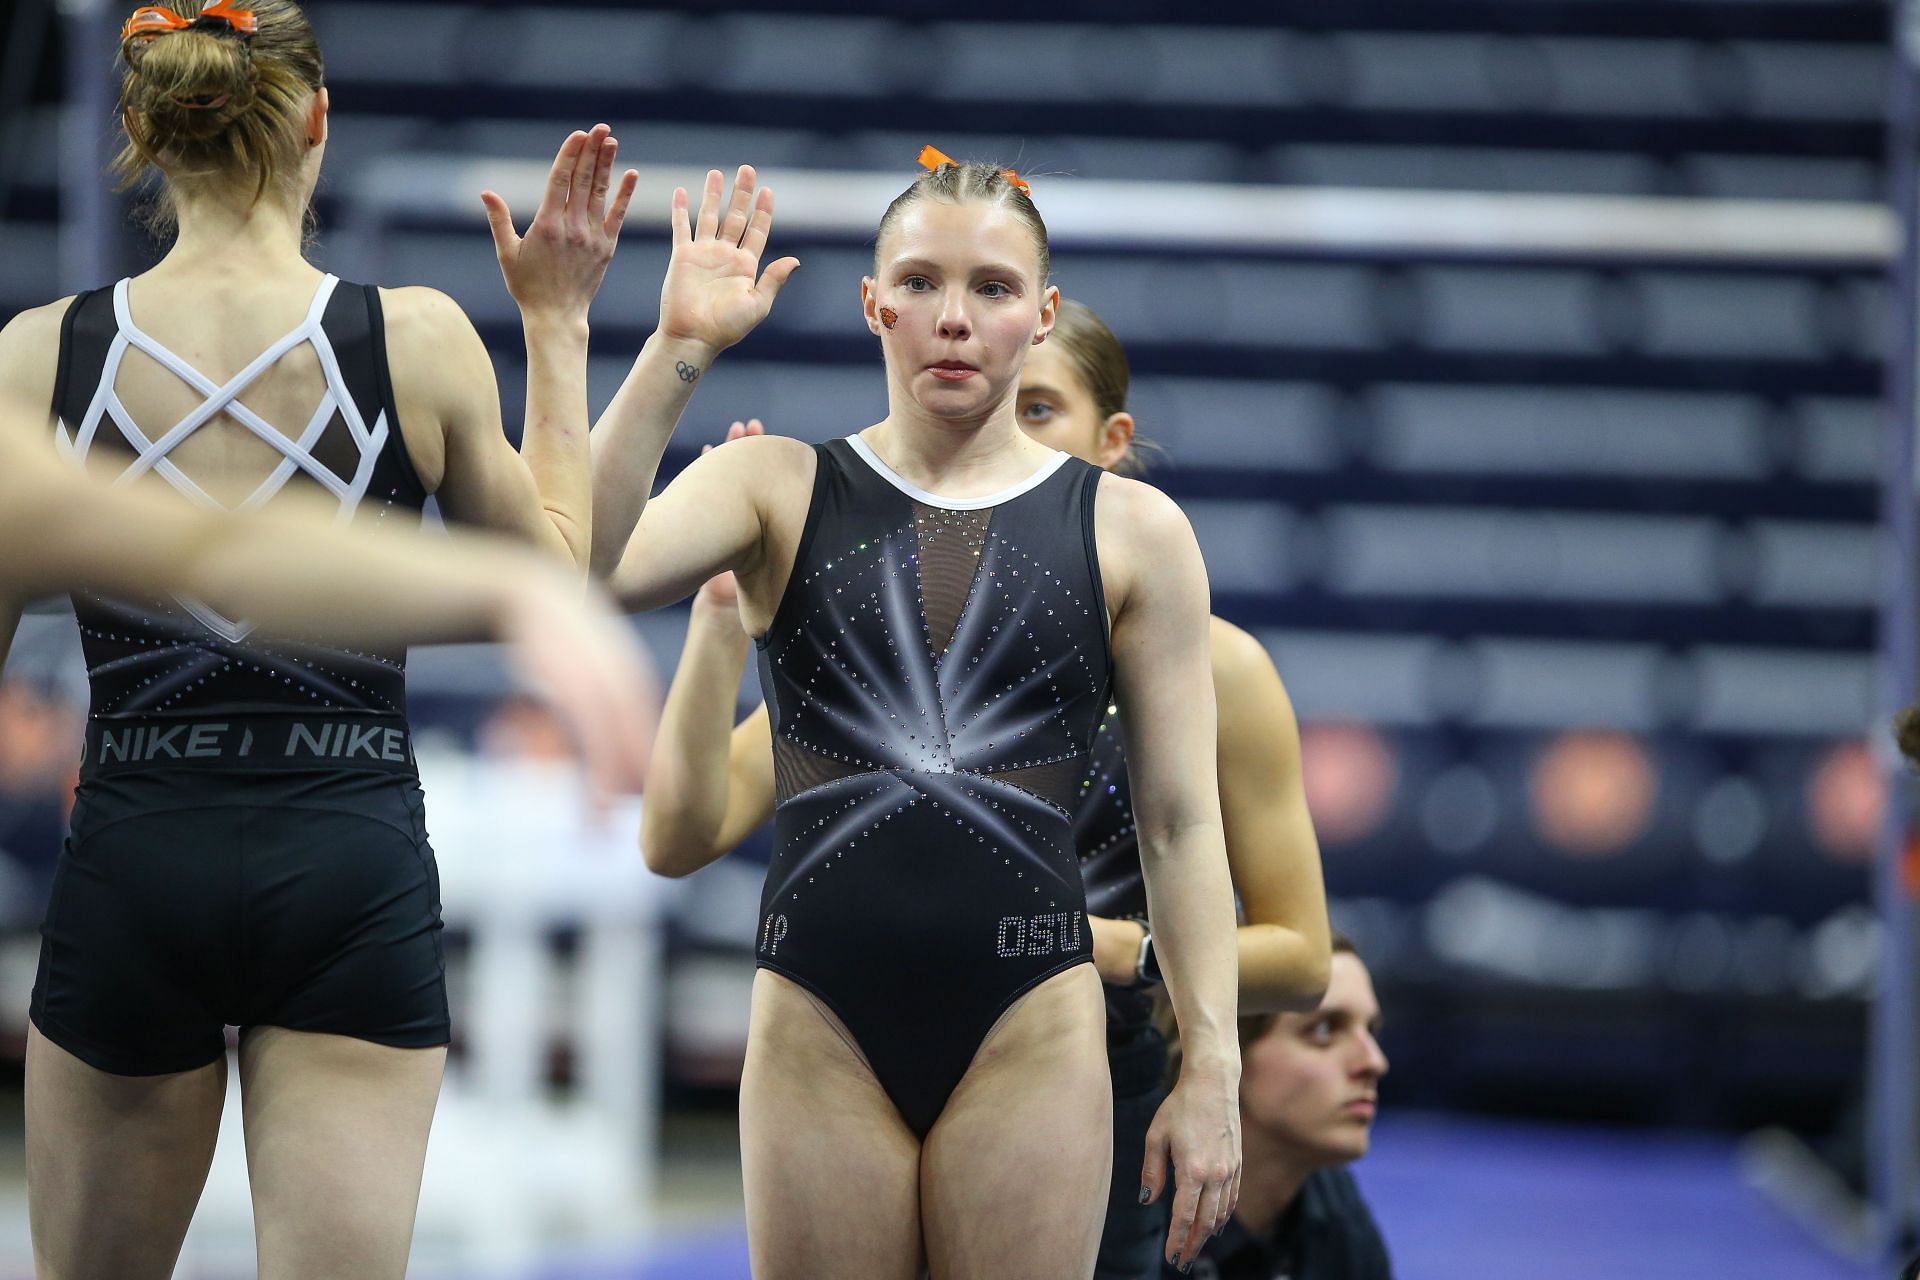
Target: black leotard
x,y
248,840
934,675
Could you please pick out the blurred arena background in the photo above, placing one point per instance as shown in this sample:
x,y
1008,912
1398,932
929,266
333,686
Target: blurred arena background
x,y
1520,363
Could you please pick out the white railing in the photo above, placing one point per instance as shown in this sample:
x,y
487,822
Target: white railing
x,y
513,1166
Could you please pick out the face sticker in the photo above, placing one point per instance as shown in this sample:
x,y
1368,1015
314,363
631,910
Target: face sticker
x,y
889,317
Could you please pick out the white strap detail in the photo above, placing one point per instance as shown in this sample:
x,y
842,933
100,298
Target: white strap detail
x,y
914,491
297,454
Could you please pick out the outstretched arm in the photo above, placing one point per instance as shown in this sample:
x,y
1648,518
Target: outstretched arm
x,y
717,516
1284,948
443,375
553,274
293,570
714,294
1164,682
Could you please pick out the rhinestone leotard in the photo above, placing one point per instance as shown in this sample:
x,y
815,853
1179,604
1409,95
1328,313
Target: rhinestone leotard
x,y
935,676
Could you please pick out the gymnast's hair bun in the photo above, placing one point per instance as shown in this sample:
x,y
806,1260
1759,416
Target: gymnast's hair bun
x,y
207,103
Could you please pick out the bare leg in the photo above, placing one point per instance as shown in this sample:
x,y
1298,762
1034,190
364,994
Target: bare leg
x,y
336,1138
115,1164
832,1172
1014,1178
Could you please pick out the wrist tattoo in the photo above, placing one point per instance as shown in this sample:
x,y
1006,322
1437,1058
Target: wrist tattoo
x,y
687,372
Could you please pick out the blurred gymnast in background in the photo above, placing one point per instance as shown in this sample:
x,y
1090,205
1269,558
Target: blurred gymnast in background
x,y
942,606
707,790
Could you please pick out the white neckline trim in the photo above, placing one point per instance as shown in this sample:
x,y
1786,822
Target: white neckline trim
x,y
918,494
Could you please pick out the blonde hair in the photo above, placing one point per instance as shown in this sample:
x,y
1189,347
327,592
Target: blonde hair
x,y
208,106
954,183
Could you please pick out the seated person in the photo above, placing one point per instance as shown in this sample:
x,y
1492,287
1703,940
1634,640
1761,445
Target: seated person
x,y
1308,1088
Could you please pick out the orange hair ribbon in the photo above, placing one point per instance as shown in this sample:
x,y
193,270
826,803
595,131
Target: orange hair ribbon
x,y
153,20
932,157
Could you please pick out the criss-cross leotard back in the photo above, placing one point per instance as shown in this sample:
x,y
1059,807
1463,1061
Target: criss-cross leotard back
x,y
177,655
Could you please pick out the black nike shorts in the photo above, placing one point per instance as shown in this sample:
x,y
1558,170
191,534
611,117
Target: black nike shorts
x,y
188,899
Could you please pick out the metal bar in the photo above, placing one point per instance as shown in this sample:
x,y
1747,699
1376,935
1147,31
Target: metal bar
x,y
1250,218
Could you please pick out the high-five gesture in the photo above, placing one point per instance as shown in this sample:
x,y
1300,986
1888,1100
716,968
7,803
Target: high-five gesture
x,y
556,268
715,292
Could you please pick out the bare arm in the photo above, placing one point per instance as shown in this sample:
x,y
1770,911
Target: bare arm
x,y
1271,850
717,516
1275,860
713,295
444,380
1164,682
29,357
710,782
295,571
290,569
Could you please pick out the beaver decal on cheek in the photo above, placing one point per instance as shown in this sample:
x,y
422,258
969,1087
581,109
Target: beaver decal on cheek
x,y
889,317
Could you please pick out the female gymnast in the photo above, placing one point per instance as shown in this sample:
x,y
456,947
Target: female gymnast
x,y
942,606
708,788
274,873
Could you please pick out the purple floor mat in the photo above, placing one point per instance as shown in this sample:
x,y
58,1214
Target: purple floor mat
x,y
1474,1199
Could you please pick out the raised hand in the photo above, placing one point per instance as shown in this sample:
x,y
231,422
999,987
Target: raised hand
x,y
715,292
719,596
556,268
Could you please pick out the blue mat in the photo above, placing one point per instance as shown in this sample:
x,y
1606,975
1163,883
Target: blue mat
x,y
1473,1199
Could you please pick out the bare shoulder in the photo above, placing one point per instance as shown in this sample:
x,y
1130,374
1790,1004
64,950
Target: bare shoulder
x,y
778,456
442,375
1136,506
1237,652
30,358
418,318
1243,670
40,323
1143,538
777,471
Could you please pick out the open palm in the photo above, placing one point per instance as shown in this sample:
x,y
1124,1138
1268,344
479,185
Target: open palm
x,y
558,265
715,292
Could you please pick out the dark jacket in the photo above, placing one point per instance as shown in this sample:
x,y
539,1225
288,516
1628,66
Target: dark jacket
x,y
1327,1233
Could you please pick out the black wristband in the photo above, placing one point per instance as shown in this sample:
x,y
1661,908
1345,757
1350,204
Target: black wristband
x,y
1146,966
